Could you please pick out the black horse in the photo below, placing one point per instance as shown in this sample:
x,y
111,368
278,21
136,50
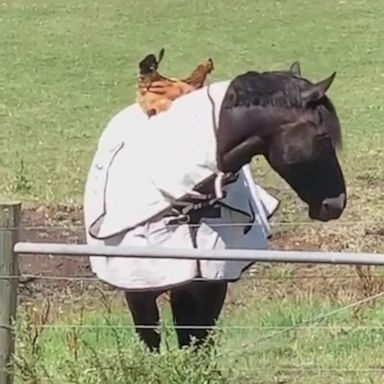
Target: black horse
x,y
293,124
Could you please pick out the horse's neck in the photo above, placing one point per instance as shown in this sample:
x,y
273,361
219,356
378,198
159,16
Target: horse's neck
x,y
237,144
234,159
245,132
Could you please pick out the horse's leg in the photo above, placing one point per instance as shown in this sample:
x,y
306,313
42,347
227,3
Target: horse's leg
x,y
145,312
197,304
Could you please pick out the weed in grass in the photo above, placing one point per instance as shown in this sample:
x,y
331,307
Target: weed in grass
x,y
29,358
371,285
21,183
83,362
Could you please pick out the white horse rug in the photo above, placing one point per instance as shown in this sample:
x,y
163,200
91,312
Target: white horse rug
x,y
141,167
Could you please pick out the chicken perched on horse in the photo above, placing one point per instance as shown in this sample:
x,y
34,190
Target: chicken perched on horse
x,y
156,92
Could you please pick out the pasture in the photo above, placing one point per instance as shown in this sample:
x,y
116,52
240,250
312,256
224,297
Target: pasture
x,y
67,67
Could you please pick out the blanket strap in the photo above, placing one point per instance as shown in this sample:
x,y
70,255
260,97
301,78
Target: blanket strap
x,y
184,212
195,201
201,205
219,181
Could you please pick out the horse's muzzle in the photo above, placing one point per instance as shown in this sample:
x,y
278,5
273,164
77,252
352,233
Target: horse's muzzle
x,y
330,208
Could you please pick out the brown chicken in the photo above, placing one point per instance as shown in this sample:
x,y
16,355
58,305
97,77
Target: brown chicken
x,y
155,93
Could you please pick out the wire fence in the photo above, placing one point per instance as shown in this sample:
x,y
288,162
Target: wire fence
x,y
292,223
265,338
261,340
29,278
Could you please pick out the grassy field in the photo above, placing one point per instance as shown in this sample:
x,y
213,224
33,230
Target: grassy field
x,y
262,338
67,67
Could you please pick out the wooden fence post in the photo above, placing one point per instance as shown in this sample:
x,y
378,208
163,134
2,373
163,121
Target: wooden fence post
x,y
10,215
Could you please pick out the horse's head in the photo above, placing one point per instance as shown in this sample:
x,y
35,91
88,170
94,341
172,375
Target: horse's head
x,y
292,122
150,63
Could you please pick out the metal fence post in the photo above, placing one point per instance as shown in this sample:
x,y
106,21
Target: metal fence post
x,y
10,215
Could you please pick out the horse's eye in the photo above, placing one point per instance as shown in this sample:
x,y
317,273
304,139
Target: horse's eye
x,y
325,141
322,136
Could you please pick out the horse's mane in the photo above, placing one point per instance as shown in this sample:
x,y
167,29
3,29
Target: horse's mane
x,y
280,89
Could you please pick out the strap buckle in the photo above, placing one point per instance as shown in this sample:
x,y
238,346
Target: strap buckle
x,y
177,220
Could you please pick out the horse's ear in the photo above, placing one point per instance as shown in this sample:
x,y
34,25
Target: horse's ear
x,y
161,55
295,68
317,91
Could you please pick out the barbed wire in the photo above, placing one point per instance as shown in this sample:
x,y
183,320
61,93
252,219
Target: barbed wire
x,y
312,370
314,320
311,325
307,324
304,369
271,223
198,327
250,275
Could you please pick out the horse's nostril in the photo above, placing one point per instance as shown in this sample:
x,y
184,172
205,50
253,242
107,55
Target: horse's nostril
x,y
334,205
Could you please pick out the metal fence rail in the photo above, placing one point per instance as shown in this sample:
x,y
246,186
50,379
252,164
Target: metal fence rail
x,y
269,256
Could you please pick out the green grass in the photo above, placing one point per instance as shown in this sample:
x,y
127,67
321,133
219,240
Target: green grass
x,y
67,67
255,346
